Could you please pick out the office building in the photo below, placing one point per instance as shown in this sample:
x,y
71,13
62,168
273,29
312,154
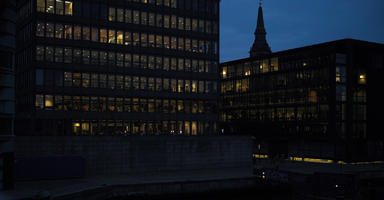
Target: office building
x,y
320,101
117,67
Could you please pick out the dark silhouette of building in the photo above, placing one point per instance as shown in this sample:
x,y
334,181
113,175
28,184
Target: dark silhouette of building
x,y
319,101
7,101
117,67
260,46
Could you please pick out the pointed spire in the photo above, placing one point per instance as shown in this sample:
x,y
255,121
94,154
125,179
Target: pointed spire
x,y
260,47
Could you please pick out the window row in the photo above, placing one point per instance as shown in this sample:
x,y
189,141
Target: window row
x,y
117,59
280,114
248,68
278,97
100,10
58,7
112,104
127,38
51,78
162,21
143,128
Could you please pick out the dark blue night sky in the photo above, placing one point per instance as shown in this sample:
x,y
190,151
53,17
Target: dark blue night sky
x,y
296,23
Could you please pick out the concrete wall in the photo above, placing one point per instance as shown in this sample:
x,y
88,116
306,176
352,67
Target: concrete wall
x,y
125,155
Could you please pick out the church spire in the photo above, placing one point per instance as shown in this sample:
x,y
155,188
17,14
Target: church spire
x,y
260,47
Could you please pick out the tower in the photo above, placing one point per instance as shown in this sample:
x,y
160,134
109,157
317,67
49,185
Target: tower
x,y
260,47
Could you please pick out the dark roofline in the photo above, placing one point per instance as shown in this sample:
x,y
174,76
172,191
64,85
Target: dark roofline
x,y
318,45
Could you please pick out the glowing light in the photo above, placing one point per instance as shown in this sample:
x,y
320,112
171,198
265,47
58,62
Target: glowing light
x,y
76,124
362,79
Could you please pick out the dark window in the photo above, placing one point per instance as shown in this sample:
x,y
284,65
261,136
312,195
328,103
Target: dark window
x,y
77,8
39,77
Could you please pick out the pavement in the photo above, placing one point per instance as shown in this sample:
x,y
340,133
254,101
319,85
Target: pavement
x,y
55,188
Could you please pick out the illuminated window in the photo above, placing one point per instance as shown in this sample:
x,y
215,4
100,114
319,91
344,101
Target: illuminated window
x,y
173,22
136,17
112,14
94,80
166,84
68,7
173,3
180,86
112,36
85,80
166,64
173,85
49,30
166,21
48,101
195,47
151,84
166,3
188,44
151,105
67,55
59,7
128,16
77,56
166,42
127,38
86,56
111,104
313,96
120,15
50,6
103,35
76,128
144,40
362,79
59,30
136,39
59,54
119,59
40,5
49,54
144,19
127,60
40,28
173,43
68,32
127,82
151,40
77,32
85,103
120,35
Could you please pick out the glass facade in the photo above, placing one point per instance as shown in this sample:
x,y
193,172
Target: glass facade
x,y
107,68
302,93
